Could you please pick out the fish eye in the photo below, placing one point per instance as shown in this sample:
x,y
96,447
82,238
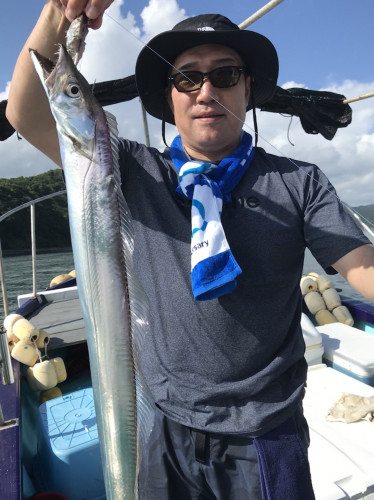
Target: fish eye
x,y
73,90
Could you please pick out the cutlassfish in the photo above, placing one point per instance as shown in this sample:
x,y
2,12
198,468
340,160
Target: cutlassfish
x,y
114,306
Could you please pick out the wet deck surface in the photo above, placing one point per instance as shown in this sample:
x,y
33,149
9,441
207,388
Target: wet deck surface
x,y
62,320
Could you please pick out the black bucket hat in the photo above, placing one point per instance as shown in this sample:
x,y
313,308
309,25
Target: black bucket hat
x,y
258,54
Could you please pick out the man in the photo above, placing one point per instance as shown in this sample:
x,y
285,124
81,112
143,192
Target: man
x,y
225,361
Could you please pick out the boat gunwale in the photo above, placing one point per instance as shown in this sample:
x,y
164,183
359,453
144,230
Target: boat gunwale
x,y
10,437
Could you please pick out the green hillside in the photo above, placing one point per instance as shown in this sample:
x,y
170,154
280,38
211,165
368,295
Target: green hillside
x,y
51,217
366,211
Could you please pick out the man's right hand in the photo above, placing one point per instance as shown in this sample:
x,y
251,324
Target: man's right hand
x,y
94,10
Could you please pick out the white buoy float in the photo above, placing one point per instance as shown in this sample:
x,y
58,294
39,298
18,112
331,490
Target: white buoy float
x,y
323,300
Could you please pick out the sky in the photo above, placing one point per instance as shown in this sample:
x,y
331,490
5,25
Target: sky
x,y
322,45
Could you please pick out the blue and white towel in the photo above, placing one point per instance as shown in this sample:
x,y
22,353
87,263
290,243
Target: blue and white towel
x,y
213,266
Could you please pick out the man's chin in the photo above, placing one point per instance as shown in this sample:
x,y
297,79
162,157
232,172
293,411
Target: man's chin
x,y
209,148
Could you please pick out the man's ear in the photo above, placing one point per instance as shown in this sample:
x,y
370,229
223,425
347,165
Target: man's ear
x,y
248,87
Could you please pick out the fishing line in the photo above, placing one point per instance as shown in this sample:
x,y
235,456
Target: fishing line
x,y
246,126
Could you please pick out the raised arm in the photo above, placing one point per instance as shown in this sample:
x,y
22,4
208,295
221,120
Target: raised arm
x,y
28,109
357,267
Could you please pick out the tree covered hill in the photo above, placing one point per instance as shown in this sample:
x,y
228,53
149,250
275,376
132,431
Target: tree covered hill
x,y
367,211
52,226
51,216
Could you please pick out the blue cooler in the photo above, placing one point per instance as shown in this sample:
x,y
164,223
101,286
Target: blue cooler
x,y
68,453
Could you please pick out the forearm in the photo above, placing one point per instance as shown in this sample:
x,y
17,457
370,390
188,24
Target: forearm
x,y
28,109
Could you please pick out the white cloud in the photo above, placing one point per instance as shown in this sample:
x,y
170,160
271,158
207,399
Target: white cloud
x,y
111,51
4,94
347,160
161,15
19,158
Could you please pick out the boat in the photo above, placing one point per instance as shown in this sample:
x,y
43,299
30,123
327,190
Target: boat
x,y
49,441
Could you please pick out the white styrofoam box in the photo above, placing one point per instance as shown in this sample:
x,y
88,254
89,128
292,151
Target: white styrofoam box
x,y
341,455
349,350
313,341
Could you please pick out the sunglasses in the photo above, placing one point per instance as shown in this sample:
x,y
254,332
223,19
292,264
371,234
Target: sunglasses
x,y
221,78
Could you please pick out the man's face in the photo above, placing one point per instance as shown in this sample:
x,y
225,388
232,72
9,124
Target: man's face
x,y
210,119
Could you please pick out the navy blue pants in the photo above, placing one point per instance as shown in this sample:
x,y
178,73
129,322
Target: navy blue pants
x,y
183,464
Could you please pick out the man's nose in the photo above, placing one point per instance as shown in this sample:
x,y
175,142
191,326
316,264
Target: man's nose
x,y
207,92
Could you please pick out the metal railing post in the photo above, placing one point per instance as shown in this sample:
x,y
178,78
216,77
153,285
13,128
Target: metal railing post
x,y
33,248
5,359
145,125
2,280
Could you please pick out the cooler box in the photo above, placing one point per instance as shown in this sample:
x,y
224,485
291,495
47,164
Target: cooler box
x,y
349,350
68,454
313,341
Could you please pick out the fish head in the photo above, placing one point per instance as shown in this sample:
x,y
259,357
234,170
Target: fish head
x,y
72,103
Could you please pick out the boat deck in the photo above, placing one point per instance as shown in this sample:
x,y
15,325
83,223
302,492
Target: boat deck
x,y
340,454
61,317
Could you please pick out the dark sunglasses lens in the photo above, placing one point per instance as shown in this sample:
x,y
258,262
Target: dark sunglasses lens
x,y
188,81
224,77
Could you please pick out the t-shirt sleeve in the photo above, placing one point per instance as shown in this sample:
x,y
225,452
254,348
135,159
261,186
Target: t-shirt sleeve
x,y
330,232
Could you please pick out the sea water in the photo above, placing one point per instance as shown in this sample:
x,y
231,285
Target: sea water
x,y
344,288
18,275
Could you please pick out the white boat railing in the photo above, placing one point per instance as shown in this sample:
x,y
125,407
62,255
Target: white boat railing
x,y
30,204
5,363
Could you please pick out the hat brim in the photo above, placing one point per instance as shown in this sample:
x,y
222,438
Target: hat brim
x,y
156,58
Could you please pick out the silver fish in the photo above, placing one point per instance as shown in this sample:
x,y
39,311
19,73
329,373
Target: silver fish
x,y
76,38
114,306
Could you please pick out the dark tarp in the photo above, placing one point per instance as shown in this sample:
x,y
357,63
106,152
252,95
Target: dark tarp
x,y
6,129
319,111
115,91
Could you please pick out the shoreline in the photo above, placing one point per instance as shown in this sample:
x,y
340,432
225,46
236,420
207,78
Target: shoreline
x,y
39,251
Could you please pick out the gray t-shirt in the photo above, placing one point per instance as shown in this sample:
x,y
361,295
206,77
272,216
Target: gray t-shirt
x,y
236,363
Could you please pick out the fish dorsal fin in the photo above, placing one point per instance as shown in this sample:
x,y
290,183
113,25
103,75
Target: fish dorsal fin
x,y
139,308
